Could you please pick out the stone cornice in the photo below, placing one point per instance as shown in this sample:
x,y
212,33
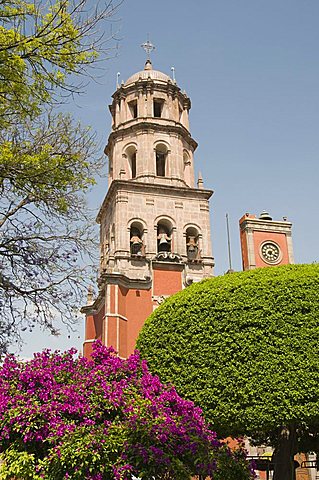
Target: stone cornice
x,y
258,224
158,265
126,282
153,188
148,84
94,307
136,125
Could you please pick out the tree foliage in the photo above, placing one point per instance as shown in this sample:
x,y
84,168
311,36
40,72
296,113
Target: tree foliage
x,y
45,46
245,347
47,160
64,417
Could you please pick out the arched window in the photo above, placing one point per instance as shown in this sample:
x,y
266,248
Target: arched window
x,y
131,157
164,236
192,245
161,159
137,246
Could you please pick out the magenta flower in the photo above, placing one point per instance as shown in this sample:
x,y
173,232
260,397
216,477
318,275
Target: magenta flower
x,y
104,418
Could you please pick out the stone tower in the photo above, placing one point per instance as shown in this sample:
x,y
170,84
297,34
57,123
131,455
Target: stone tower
x,y
154,221
265,242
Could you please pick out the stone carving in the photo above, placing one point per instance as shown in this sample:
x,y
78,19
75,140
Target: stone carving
x,y
168,257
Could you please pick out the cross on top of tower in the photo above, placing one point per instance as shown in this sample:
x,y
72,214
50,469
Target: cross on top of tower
x,y
148,47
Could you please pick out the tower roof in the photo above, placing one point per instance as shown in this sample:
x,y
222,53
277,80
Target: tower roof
x,y
148,72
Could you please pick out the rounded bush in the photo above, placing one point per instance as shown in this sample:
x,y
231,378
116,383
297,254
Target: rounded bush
x,y
245,348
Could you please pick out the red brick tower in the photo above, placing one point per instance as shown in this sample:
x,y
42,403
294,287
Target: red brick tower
x,y
154,221
265,242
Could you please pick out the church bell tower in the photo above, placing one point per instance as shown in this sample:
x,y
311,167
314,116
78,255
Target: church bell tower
x,y
154,221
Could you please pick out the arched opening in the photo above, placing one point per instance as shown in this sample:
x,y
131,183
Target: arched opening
x,y
161,159
137,246
164,236
192,245
131,156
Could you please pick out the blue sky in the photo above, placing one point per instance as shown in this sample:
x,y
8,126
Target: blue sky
x,y
251,69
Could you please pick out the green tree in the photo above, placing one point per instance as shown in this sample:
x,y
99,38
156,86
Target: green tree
x,y
47,160
245,348
46,47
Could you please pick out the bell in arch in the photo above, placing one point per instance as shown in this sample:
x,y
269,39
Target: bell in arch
x,y
136,242
163,240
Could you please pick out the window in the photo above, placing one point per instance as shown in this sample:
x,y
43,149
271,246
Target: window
x,y
130,153
157,108
160,164
133,108
133,164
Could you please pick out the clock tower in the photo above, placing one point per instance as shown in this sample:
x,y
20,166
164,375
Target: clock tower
x,y
265,242
154,221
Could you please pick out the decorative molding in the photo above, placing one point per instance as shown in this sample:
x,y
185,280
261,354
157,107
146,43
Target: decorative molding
x,y
168,257
179,204
164,125
204,207
122,198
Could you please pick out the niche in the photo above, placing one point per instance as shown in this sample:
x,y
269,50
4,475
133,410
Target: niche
x,y
192,245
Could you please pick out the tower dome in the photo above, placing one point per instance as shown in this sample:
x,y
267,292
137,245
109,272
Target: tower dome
x,y
148,73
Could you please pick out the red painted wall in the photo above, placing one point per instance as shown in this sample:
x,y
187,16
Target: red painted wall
x,y
139,306
167,282
128,310
93,330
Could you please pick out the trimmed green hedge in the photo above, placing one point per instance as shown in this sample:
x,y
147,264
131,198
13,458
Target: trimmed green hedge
x,y
245,348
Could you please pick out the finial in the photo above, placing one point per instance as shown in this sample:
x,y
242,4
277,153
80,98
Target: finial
x,y
90,296
117,79
200,183
148,47
148,65
173,73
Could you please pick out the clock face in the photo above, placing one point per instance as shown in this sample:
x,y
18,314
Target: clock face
x,y
270,252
